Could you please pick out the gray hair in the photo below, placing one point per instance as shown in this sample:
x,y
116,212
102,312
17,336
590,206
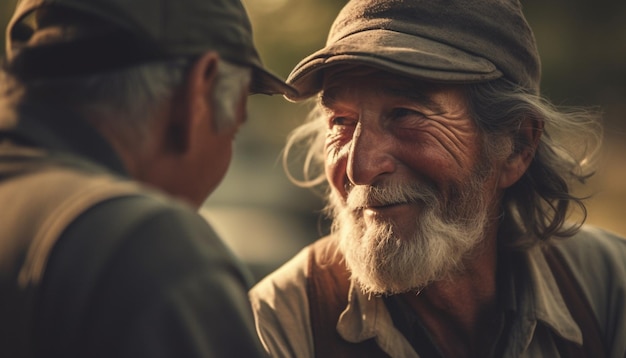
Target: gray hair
x,y
535,208
229,85
127,99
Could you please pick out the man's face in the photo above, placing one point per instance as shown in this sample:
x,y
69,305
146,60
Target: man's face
x,y
411,196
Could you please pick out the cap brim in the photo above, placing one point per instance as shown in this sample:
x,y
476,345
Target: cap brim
x,y
262,81
395,52
265,82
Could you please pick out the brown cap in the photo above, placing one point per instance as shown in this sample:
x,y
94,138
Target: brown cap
x,y
453,41
149,30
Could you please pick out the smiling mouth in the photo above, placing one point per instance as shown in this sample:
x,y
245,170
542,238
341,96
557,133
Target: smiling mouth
x,y
387,212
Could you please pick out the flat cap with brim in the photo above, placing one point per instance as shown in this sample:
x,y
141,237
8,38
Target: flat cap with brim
x,y
453,41
146,30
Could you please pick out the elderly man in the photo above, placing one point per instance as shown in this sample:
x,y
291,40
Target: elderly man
x,y
449,188
117,120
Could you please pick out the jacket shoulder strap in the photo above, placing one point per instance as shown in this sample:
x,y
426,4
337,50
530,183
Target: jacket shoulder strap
x,y
578,306
328,284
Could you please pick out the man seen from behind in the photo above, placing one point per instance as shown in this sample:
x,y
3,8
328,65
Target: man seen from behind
x,y
117,119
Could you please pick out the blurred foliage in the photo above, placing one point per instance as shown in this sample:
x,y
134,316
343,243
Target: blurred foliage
x,y
583,49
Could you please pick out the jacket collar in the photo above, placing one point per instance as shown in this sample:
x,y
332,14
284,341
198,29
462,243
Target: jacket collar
x,y
61,131
546,304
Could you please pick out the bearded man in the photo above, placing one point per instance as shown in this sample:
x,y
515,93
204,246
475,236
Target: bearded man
x,y
449,187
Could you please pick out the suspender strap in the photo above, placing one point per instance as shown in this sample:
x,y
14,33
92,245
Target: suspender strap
x,y
327,288
579,307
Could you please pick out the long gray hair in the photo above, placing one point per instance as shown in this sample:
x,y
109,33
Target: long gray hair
x,y
538,205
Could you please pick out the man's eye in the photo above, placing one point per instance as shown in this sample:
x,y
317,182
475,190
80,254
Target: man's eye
x,y
400,113
340,121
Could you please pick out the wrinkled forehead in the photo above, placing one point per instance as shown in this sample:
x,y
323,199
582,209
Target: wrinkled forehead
x,y
342,82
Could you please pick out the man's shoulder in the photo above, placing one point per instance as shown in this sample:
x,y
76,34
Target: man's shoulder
x,y
281,305
295,271
593,246
289,276
136,264
593,255
284,290
151,225
597,258
150,244
131,225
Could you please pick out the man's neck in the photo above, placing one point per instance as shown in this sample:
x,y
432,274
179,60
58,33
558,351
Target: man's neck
x,y
461,313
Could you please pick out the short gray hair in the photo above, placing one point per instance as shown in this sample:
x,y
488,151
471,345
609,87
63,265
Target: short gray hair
x,y
229,85
128,98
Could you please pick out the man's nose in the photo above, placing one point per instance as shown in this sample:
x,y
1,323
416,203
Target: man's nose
x,y
370,156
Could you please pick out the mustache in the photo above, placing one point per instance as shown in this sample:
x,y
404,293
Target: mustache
x,y
362,196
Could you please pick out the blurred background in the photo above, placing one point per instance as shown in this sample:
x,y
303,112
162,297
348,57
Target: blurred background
x,y
265,219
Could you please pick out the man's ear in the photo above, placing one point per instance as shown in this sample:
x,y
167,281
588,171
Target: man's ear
x,y
191,104
526,142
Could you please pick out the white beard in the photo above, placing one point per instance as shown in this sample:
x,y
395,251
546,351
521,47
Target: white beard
x,y
445,234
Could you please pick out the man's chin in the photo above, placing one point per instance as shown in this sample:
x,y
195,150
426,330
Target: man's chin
x,y
390,290
399,264
392,283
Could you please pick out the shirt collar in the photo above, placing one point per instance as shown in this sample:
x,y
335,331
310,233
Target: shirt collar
x,y
367,317
536,298
357,322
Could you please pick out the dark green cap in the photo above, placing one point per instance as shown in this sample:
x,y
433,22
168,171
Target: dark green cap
x,y
450,41
149,30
